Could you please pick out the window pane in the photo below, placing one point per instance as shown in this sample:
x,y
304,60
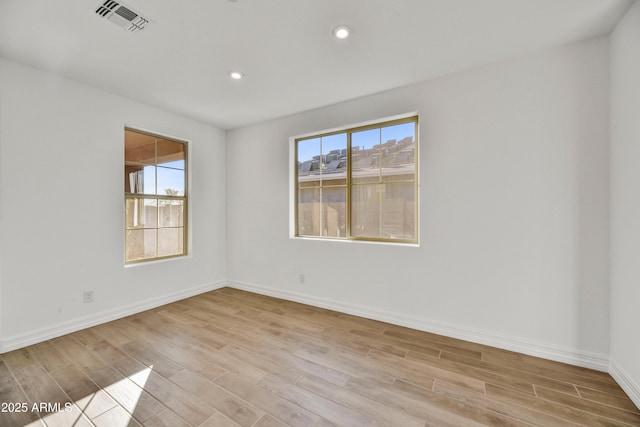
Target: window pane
x,y
384,211
308,160
334,211
170,182
398,152
139,148
398,211
334,159
365,210
170,241
365,156
140,180
170,154
140,244
309,212
171,213
141,213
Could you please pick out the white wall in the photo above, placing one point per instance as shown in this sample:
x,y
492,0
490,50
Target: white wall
x,y
61,149
625,202
514,210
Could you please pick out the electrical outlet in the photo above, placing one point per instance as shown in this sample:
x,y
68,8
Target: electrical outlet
x,y
303,279
87,296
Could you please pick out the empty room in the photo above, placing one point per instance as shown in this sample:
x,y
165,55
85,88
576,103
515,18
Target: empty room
x,y
319,213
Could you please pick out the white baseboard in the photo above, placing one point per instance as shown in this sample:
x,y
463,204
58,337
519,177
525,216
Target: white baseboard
x,y
625,381
63,328
558,353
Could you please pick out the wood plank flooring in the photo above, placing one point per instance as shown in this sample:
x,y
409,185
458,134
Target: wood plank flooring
x,y
232,358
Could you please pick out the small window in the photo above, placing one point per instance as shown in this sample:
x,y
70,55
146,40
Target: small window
x,y
155,193
359,183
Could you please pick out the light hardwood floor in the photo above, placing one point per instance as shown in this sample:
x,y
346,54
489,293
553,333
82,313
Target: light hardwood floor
x,y
229,358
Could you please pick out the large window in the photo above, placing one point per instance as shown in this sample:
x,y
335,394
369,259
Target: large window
x,y
359,183
155,192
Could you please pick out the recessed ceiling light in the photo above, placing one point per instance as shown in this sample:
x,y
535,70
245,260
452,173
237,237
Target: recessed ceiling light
x,y
341,32
236,75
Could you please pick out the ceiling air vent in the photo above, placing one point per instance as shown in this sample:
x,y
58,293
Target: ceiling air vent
x,y
121,15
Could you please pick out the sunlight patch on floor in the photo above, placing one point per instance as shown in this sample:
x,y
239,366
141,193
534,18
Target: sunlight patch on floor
x,y
110,407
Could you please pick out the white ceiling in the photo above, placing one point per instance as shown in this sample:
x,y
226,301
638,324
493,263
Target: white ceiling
x,y
291,62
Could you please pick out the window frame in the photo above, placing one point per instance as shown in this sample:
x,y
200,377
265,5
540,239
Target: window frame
x,y
349,131
159,197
